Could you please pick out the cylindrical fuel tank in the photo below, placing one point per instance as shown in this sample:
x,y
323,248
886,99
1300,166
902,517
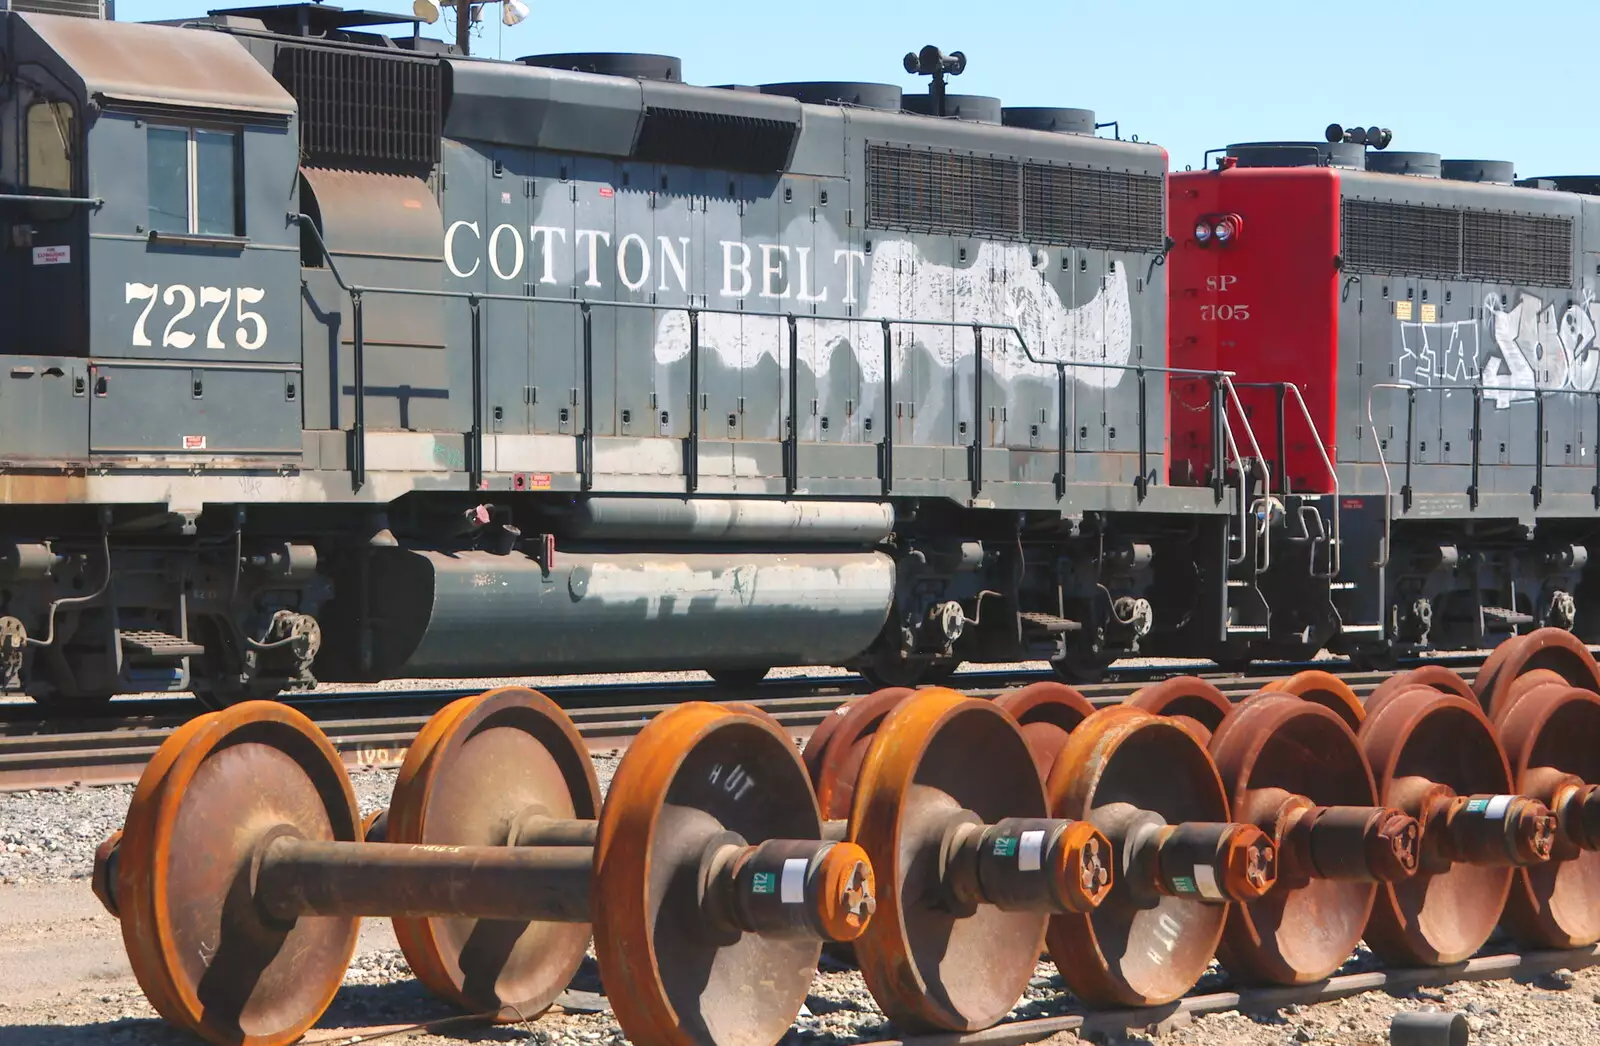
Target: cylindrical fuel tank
x,y
714,519
474,613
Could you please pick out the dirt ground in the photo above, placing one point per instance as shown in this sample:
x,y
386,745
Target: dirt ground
x,y
65,981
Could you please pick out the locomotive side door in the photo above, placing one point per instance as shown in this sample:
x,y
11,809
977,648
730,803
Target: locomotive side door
x,y
555,362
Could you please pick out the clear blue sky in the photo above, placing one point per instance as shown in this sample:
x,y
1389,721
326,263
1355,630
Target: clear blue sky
x,y
1467,79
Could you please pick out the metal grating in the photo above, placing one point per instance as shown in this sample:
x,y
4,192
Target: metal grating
x,y
715,140
1401,238
1449,244
364,111
1517,248
75,8
1111,209
927,191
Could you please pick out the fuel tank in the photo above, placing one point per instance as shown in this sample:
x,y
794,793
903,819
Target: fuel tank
x,y
438,614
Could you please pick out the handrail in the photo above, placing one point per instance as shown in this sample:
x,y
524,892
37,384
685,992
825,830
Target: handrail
x,y
1286,388
585,305
1477,439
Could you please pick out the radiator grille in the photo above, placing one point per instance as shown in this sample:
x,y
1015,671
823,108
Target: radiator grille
x,y
715,140
1112,209
1446,243
943,192
76,8
1401,238
1517,248
362,111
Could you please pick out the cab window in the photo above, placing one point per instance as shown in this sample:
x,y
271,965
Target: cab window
x,y
50,137
194,181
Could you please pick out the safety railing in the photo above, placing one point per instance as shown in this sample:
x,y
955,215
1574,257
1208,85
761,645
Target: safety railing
x,y
1476,440
1221,382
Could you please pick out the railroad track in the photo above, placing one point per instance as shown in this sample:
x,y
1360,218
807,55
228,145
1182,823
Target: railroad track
x,y
375,728
1093,1024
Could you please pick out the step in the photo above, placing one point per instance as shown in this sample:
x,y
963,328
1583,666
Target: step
x,y
1247,630
1341,586
1049,624
1506,616
150,643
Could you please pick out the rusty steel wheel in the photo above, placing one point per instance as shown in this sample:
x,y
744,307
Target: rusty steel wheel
x,y
479,768
1326,689
1274,746
834,752
1047,713
1423,737
697,772
1133,951
1552,736
205,955
1554,649
1195,703
1434,677
937,754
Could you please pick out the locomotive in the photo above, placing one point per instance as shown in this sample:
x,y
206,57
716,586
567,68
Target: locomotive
x,y
398,362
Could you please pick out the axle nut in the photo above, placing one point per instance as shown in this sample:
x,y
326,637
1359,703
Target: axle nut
x,y
1533,832
1081,873
1394,846
1250,865
846,895
105,872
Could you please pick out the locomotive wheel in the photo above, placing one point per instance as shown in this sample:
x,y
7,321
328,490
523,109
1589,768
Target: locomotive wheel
x,y
480,766
928,966
737,678
1275,745
886,670
1552,736
1129,952
1436,677
1193,702
697,771
1435,918
1545,648
1078,668
1326,689
207,958
1047,713
836,749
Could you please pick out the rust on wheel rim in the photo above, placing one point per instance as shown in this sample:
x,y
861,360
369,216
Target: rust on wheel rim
x,y
1552,736
939,753
1274,746
1195,703
477,768
1433,677
1047,713
1127,952
1554,649
695,772
201,950
834,753
1423,735
1326,689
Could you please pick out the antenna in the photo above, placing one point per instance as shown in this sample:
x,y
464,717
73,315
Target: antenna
x,y
930,61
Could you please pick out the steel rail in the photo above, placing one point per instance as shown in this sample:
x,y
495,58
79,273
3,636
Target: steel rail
x,y
38,755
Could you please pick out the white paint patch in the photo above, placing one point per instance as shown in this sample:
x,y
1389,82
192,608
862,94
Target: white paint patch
x,y
1205,880
792,887
1000,286
1030,851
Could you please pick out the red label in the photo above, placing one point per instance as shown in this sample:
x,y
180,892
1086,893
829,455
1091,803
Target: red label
x,y
539,481
606,190
1353,503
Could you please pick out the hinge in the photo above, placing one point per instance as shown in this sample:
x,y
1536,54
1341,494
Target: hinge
x,y
572,192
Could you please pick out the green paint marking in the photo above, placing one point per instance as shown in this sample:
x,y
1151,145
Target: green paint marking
x,y
1005,846
1477,806
764,882
1184,884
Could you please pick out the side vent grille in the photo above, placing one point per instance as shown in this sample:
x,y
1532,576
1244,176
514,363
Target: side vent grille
x,y
715,140
942,192
1447,244
75,8
937,192
1111,209
1517,248
363,111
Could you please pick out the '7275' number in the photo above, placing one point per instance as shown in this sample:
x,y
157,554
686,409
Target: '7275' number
x,y
250,328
